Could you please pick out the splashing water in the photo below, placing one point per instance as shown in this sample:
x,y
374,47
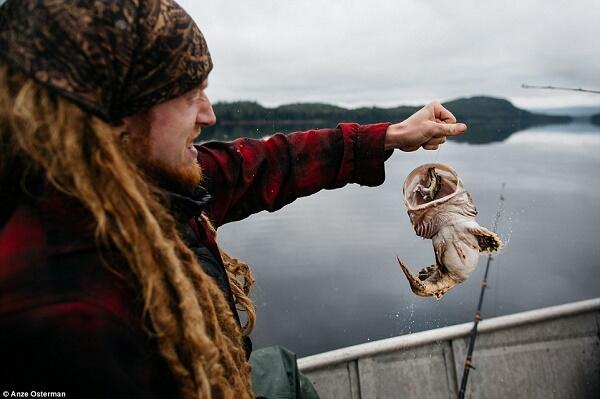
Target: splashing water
x,y
505,231
411,318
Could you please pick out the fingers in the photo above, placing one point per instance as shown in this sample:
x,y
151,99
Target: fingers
x,y
441,113
431,146
434,143
427,128
441,131
437,140
449,129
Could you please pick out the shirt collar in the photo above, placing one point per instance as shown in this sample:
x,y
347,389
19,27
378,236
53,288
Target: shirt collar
x,y
187,206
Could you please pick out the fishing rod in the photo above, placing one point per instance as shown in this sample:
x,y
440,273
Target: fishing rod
x,y
473,335
526,86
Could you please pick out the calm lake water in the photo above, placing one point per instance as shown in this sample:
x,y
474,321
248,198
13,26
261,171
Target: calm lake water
x,y
326,268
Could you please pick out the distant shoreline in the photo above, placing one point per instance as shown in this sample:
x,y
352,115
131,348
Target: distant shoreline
x,y
489,119
480,108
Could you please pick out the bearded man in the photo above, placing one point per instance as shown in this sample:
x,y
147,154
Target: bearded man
x,y
111,281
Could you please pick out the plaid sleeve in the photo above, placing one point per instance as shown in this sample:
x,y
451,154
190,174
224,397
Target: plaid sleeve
x,y
247,175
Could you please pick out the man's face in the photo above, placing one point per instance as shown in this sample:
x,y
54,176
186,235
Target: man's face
x,y
165,148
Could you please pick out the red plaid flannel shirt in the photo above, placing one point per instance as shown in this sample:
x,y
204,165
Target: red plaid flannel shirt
x,y
68,324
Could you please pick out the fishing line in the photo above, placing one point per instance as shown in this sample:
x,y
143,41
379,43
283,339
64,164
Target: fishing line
x,y
437,152
484,284
434,157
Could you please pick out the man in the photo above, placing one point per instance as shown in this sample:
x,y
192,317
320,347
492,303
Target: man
x,y
111,281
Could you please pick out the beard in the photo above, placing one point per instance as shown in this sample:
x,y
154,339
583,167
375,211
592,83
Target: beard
x,y
183,179
180,179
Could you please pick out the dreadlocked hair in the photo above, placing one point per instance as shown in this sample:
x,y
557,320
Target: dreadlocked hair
x,y
184,309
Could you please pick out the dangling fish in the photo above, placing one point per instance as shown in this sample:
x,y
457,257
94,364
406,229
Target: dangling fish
x,y
440,209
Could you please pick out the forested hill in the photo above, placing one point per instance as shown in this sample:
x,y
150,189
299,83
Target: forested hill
x,y
489,119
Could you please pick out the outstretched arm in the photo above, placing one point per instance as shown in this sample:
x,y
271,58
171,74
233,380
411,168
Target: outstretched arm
x,y
247,176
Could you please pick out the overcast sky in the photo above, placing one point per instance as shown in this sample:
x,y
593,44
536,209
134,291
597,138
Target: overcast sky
x,y
394,52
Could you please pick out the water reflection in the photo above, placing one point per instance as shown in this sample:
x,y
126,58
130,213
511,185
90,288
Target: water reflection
x,y
325,265
490,131
582,137
479,133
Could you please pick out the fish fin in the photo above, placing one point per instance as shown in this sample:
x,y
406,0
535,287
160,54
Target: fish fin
x,y
488,240
423,287
415,284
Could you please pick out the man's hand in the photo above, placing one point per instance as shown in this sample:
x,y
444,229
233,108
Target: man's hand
x,y
427,128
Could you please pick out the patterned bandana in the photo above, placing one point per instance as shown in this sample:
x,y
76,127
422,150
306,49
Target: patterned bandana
x,y
112,57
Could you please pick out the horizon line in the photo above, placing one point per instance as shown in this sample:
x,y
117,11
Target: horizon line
x,y
408,105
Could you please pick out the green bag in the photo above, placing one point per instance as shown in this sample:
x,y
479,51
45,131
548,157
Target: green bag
x,y
275,375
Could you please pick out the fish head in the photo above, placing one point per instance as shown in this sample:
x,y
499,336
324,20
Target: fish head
x,y
423,210
444,176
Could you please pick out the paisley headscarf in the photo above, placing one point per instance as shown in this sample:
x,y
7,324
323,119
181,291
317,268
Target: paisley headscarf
x,y
112,57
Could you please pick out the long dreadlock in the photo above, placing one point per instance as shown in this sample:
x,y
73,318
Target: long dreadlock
x,y
78,154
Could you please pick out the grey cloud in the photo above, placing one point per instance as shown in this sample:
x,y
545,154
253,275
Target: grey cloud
x,y
397,52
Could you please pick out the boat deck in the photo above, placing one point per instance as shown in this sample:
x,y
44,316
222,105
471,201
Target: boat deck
x,y
546,353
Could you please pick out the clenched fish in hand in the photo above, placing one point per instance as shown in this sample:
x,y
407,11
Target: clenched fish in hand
x,y
441,210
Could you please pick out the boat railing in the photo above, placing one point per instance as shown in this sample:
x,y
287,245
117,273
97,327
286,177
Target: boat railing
x,y
563,340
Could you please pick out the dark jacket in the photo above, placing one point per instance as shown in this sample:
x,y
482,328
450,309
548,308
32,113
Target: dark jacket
x,y
68,324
